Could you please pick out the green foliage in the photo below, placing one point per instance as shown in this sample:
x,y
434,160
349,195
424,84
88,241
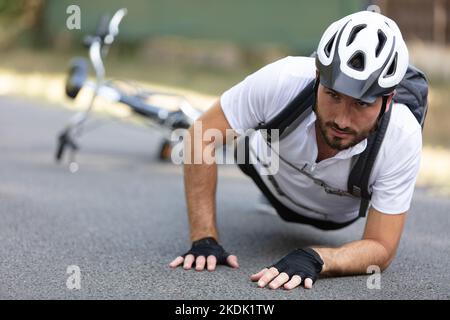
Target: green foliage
x,y
20,19
10,9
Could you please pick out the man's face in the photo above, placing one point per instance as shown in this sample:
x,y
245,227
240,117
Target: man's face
x,y
344,121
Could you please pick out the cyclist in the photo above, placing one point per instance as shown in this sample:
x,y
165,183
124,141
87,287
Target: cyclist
x,y
360,60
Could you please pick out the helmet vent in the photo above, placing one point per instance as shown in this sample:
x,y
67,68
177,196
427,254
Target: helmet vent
x,y
354,33
357,61
381,42
329,46
393,67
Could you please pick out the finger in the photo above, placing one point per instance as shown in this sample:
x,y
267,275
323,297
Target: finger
x,y
257,276
268,277
308,283
279,281
233,261
176,262
200,263
188,261
211,263
294,283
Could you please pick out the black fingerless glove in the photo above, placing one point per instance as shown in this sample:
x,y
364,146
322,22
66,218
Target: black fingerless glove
x,y
208,247
305,263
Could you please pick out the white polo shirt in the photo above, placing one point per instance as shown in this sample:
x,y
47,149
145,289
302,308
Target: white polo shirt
x,y
262,95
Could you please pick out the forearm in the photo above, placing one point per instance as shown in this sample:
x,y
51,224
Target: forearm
x,y
354,258
200,182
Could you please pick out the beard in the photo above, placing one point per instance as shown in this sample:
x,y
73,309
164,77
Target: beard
x,y
337,143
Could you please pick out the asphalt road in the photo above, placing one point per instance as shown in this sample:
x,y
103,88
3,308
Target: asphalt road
x,y
121,219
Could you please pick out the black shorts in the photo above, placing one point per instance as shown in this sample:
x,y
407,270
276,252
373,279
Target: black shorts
x,y
284,212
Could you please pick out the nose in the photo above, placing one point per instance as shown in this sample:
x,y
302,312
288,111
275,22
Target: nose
x,y
343,117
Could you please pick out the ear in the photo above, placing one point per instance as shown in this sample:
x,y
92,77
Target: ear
x,y
390,98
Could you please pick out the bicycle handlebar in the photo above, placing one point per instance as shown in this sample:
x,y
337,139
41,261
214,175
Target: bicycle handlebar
x,y
103,26
114,24
107,29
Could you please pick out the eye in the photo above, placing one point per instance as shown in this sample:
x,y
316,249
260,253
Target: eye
x,y
362,104
333,95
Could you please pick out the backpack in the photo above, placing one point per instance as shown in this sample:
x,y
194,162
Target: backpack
x,y
412,92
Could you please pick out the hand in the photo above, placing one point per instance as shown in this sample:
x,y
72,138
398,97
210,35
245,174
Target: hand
x,y
299,266
205,252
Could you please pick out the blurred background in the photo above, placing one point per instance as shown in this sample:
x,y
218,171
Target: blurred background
x,y
203,47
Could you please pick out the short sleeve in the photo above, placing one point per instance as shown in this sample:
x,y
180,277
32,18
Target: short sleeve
x,y
393,189
246,105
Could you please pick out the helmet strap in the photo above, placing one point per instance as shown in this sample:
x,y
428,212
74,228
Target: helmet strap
x,y
382,111
316,90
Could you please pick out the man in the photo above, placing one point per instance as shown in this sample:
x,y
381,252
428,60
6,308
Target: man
x,y
360,60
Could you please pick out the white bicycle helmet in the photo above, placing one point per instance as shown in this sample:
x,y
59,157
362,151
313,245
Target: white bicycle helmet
x,y
363,56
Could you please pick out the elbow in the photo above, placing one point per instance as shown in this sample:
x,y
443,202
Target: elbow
x,y
388,257
385,265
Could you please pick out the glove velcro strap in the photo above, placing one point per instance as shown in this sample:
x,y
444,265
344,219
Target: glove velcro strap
x,y
208,247
305,263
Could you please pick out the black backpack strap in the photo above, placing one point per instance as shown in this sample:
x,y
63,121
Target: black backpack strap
x,y
412,92
358,180
293,114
